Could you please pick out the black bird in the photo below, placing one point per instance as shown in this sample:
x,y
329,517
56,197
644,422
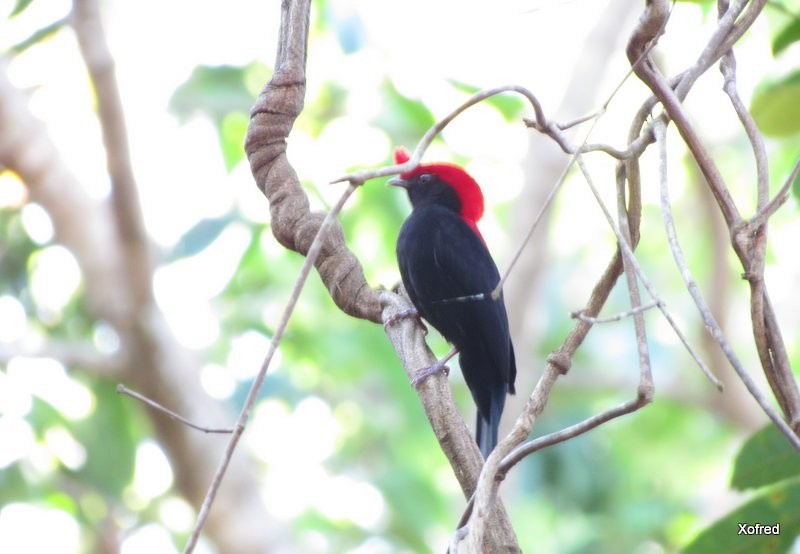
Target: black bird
x,y
449,275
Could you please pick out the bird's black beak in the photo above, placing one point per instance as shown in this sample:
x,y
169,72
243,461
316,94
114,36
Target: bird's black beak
x,y
398,182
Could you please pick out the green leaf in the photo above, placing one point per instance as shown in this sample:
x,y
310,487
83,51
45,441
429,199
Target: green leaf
x,y
780,506
705,6
60,500
509,105
110,437
19,7
202,234
213,90
38,36
232,130
787,36
775,106
404,118
766,458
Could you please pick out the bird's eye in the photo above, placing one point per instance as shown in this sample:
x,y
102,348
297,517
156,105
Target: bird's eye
x,y
425,178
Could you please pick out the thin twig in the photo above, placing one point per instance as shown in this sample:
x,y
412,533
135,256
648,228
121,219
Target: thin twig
x,y
646,388
746,244
780,198
414,160
611,319
526,449
122,389
539,443
708,318
627,252
532,229
252,395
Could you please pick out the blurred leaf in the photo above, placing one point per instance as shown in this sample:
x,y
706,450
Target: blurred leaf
x,y
403,118
780,506
255,75
705,5
349,28
215,91
509,105
231,136
16,248
766,458
38,36
787,36
19,7
15,485
202,233
326,106
62,501
110,436
775,106
253,272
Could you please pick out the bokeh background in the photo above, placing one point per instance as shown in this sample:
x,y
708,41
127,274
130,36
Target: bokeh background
x,y
338,451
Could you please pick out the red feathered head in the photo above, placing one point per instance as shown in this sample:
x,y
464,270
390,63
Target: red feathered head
x,y
467,189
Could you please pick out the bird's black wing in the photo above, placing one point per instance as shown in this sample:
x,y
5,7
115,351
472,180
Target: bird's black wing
x,y
449,275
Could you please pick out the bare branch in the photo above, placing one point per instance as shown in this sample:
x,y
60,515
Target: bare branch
x,y
708,318
124,192
628,253
780,198
446,422
363,175
746,244
122,389
272,117
252,395
611,319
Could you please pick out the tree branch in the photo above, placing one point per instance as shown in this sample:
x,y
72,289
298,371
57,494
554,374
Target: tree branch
x,y
295,227
744,239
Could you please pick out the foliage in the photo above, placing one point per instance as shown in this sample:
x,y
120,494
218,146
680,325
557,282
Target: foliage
x,y
767,463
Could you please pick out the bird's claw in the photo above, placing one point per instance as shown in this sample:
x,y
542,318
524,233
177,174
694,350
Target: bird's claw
x,y
422,374
410,312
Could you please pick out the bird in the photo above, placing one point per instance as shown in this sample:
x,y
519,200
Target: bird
x,y
449,275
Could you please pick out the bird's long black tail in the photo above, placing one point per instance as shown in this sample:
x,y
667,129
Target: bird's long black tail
x,y
486,434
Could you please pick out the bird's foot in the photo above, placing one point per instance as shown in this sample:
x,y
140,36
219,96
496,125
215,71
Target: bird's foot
x,y
410,312
422,374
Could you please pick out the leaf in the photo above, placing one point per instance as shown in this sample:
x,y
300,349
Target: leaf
x,y
39,36
404,115
232,130
787,36
766,458
199,236
110,437
213,90
780,506
510,106
775,106
19,7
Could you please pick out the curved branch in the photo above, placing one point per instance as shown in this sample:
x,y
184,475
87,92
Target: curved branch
x,y
293,224
295,227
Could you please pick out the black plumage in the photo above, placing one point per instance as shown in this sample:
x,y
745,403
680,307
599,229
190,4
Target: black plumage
x,y
444,264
